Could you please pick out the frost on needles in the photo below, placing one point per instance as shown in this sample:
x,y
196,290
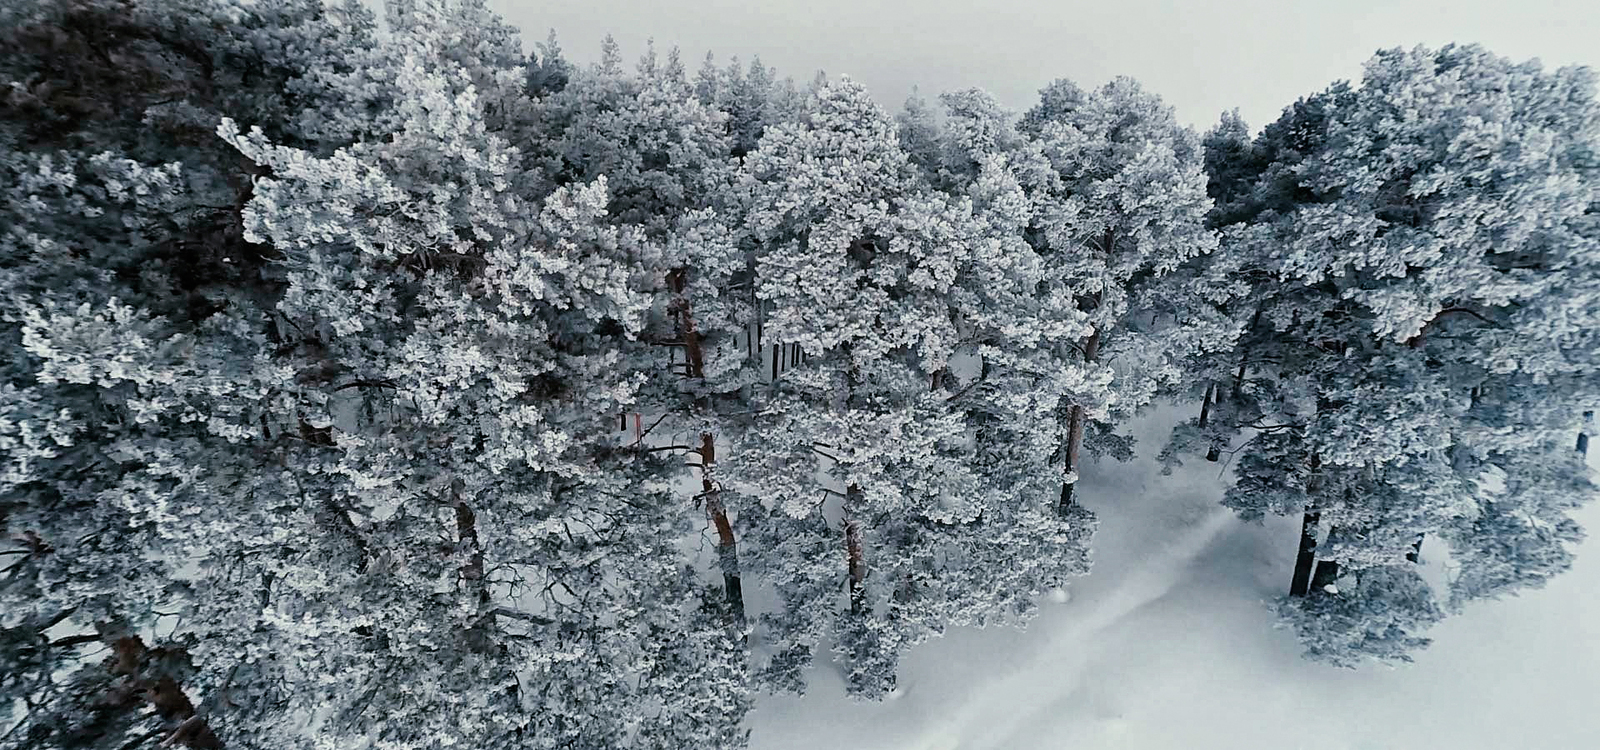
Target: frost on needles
x,y
400,388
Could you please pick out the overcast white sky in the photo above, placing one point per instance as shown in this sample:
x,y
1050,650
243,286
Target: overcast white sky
x,y
1202,57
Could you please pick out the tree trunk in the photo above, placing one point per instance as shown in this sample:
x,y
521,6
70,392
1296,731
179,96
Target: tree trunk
x,y
148,676
854,554
1091,349
727,545
1327,573
1327,570
1244,359
471,571
1301,582
1303,562
478,637
1583,435
1212,453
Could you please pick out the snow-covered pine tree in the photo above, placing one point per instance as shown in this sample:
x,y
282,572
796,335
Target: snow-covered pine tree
x,y
1253,184
1433,236
507,554
1122,206
668,159
698,670
1017,323
853,262
1224,283
920,134
138,382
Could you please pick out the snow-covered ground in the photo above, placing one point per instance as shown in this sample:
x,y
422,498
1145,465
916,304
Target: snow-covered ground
x,y
1167,645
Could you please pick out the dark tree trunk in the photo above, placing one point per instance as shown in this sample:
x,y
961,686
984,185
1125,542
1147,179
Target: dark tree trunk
x,y
1301,582
149,673
854,554
1303,562
1583,436
1091,352
1327,570
1206,402
1244,359
1091,349
1327,573
727,544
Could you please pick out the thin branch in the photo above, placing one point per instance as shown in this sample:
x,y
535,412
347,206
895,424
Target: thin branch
x,y
834,459
520,615
1473,313
646,432
1273,427
75,640
59,618
670,448
975,382
21,722
367,384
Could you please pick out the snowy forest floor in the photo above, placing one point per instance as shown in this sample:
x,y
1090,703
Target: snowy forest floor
x,y
1168,644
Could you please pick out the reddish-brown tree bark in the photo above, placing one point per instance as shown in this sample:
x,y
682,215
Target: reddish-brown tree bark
x,y
727,544
855,555
144,675
1075,424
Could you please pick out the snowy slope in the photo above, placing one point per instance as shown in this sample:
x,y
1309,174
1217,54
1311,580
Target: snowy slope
x,y
1167,644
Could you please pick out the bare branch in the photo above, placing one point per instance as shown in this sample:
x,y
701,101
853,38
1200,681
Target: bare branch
x,y
670,448
366,384
520,615
75,640
834,459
